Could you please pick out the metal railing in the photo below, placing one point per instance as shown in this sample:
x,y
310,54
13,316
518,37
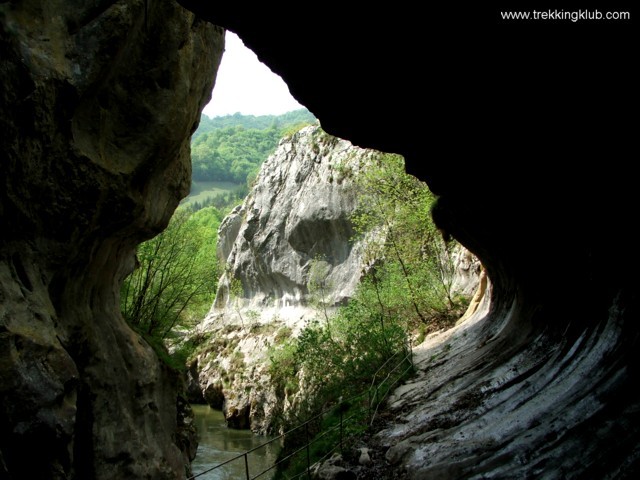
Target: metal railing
x,y
375,395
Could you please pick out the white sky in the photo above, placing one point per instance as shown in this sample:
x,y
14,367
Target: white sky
x,y
246,85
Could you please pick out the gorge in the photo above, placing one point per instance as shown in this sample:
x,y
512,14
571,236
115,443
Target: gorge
x,y
298,226
526,133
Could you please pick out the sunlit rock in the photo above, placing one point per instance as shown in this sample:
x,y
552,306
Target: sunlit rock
x,y
294,227
295,219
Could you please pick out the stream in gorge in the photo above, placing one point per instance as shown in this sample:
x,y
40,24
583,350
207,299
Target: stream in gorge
x,y
218,443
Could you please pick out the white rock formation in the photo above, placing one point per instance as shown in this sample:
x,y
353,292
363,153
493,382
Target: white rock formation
x,y
295,221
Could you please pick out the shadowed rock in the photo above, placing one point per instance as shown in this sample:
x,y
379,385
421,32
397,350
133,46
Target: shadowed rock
x,y
98,103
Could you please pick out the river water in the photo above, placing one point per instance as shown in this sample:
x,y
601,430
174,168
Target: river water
x,y
217,444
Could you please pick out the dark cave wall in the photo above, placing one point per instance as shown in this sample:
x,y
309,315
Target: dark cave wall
x,y
98,103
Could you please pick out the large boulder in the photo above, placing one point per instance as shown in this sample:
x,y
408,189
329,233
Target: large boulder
x,y
297,218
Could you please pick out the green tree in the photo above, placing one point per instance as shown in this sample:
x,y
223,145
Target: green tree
x,y
406,285
233,147
319,286
259,122
351,357
411,271
175,281
236,293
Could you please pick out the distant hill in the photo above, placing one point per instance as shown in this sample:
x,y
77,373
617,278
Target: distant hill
x,y
260,122
232,148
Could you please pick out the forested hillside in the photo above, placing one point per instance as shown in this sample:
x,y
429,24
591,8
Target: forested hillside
x,y
260,122
232,148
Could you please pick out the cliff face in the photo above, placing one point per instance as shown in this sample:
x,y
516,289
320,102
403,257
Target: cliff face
x,y
98,103
296,218
294,222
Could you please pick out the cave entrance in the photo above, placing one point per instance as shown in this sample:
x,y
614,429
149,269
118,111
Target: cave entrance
x,y
246,86
250,113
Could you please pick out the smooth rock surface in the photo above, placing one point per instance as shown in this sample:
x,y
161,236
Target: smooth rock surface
x,y
296,216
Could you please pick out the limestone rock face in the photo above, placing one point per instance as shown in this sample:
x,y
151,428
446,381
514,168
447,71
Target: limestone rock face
x,y
467,272
98,103
295,221
296,218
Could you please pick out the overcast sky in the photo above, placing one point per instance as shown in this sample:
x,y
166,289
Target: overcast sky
x,y
245,85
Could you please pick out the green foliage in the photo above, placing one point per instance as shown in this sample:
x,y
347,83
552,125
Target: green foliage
x,y
283,334
222,195
410,270
260,122
335,362
236,292
283,367
338,427
335,359
175,362
233,147
319,286
236,363
346,359
406,287
175,281
232,153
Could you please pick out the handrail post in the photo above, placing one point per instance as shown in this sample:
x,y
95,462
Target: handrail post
x,y
341,429
246,466
411,353
306,428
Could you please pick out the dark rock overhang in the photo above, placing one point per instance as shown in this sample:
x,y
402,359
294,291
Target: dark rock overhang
x,y
525,131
